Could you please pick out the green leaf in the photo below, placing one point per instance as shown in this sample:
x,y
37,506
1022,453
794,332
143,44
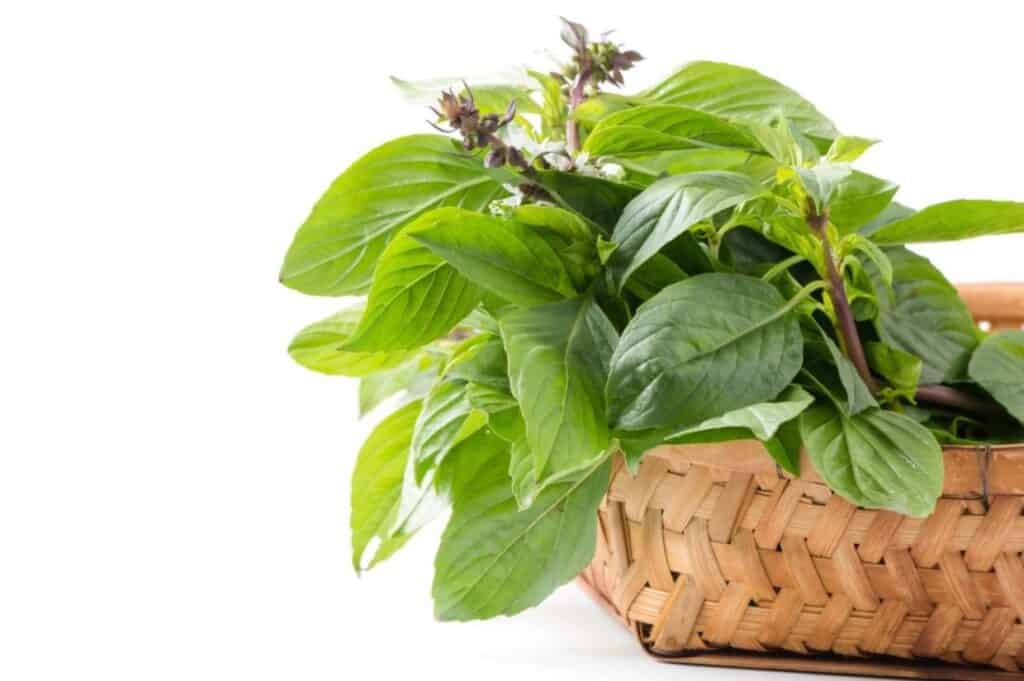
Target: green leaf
x,y
858,199
901,370
571,236
847,149
762,420
447,419
377,480
954,220
596,199
318,347
891,213
558,358
858,395
483,362
414,377
998,367
416,297
786,445
858,242
335,251
701,348
553,107
654,275
497,560
740,93
667,209
822,182
660,127
876,459
923,315
502,256
520,470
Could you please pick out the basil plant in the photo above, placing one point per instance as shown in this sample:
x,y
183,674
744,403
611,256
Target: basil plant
x,y
558,274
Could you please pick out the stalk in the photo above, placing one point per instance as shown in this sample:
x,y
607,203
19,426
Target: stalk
x,y
572,131
850,340
845,322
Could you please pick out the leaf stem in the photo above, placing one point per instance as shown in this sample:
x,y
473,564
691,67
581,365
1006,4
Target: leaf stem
x,y
951,397
572,131
846,325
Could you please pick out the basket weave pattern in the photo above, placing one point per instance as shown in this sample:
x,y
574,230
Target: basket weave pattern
x,y
713,547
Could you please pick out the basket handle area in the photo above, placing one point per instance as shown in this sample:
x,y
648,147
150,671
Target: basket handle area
x,y
996,307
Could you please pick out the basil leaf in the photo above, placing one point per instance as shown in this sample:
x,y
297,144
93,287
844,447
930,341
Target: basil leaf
x,y
858,199
701,348
497,560
318,347
740,93
822,181
661,127
786,445
482,362
667,209
901,369
847,149
596,199
891,213
762,420
954,220
377,482
502,256
520,470
570,235
998,367
335,251
447,418
415,377
876,459
858,395
416,297
558,358
923,315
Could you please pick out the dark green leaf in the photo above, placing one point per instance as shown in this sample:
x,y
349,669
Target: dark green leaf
x,y
923,315
701,348
998,367
596,199
668,208
876,459
335,251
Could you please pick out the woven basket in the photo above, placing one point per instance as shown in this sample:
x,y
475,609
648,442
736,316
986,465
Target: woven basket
x,y
713,555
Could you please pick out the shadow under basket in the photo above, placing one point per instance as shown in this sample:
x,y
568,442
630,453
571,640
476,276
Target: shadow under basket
x,y
712,555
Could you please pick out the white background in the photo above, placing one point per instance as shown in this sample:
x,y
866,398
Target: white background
x,y
173,492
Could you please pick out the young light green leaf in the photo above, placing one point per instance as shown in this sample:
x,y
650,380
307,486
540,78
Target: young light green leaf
x,y
447,418
416,297
822,182
859,243
377,481
667,209
740,93
998,367
558,358
846,149
318,347
924,316
335,251
954,220
901,370
502,256
661,127
701,348
876,459
497,560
